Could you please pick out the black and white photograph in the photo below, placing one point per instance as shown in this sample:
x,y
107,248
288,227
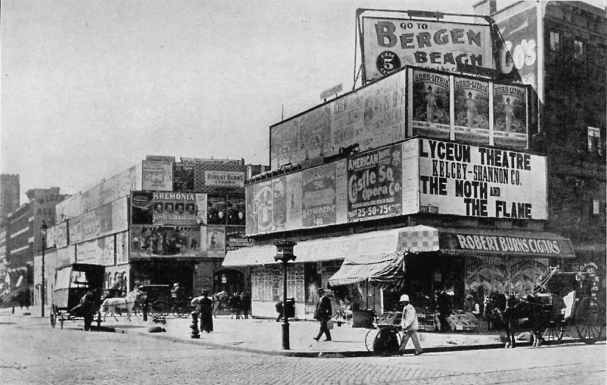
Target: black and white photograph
x,y
303,192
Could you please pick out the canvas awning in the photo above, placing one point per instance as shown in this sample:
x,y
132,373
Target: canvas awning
x,y
317,250
381,269
481,242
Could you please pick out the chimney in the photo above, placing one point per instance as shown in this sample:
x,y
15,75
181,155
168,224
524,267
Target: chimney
x,y
485,8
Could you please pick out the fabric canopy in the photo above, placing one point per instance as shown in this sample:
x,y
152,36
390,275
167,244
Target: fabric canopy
x,y
384,269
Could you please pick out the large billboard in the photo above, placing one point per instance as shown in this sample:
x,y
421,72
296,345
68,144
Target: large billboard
x,y
389,44
417,176
370,117
471,181
166,241
107,219
167,208
431,104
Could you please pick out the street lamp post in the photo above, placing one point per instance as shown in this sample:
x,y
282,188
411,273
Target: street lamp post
x,y
43,229
284,254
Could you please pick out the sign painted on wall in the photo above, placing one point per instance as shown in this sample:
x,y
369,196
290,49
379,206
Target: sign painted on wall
x,y
460,179
157,175
224,178
375,184
389,44
319,199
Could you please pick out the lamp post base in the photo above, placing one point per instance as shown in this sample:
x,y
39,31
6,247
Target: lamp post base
x,y
285,336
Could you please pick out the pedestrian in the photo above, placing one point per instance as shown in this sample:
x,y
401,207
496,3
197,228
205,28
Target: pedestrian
x,y
235,304
205,308
323,314
218,301
279,310
145,303
245,304
87,308
409,325
444,309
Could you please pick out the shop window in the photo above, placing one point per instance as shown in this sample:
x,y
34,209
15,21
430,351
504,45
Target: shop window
x,y
594,140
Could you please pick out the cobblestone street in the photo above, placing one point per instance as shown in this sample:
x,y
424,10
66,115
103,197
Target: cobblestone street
x,y
33,353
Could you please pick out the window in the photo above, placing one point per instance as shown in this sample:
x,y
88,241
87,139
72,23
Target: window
x,y
555,41
595,207
579,50
594,140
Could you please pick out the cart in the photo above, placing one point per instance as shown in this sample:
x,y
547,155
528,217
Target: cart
x,y
72,283
385,337
162,304
571,305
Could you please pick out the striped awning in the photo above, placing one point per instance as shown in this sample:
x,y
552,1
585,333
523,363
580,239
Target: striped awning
x,y
386,269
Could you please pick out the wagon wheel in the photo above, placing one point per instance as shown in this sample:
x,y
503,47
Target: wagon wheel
x,y
553,333
370,338
589,320
158,309
181,311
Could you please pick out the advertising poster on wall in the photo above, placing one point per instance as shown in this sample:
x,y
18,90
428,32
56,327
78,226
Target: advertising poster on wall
x,y
279,204
471,110
431,105
509,116
183,177
163,209
61,235
225,179
251,213
159,241
263,206
465,180
216,210
347,121
390,44
157,175
315,131
216,242
375,184
384,112
236,210
319,198
122,247
285,143
104,220
293,201
236,239
486,275
341,190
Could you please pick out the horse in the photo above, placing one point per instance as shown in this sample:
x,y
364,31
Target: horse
x,y
511,311
127,303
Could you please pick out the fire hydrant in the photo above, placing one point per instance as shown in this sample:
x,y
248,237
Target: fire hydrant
x,y
194,325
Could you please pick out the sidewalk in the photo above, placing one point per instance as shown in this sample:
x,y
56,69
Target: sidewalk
x,y
265,336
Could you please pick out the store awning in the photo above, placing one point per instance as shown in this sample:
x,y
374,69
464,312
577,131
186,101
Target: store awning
x,y
480,242
383,269
317,250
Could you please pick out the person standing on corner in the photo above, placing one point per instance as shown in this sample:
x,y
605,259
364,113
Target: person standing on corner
x,y
204,307
409,325
323,314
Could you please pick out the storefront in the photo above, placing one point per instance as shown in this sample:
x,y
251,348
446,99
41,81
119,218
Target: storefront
x,y
369,271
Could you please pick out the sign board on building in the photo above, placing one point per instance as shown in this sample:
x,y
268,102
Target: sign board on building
x,y
332,91
157,175
107,219
161,158
166,241
389,44
168,208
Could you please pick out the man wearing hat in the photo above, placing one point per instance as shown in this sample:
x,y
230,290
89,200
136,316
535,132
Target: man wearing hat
x,y
204,306
323,314
409,325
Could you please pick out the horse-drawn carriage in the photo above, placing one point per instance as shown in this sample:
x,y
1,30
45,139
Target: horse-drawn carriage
x,y
162,302
561,301
77,294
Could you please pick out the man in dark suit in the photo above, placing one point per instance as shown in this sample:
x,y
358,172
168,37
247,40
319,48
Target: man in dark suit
x,y
323,314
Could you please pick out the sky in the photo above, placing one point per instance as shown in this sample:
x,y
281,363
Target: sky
x,y
89,88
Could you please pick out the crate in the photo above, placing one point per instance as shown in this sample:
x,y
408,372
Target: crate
x,y
483,326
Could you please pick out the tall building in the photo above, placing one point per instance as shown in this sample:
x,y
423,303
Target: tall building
x,y
9,194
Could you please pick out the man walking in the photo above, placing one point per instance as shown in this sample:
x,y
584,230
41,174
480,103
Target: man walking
x,y
323,314
409,326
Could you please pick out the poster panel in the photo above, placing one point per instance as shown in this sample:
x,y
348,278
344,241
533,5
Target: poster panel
x,y
236,210
315,131
390,44
183,177
341,191
216,209
509,116
471,110
61,234
157,175
319,198
431,105
251,214
216,242
236,239
122,247
163,209
263,208
104,220
159,241
279,203
375,184
460,179
284,139
293,201
224,178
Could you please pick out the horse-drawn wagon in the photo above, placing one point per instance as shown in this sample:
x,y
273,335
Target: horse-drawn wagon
x,y
77,294
162,302
561,301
